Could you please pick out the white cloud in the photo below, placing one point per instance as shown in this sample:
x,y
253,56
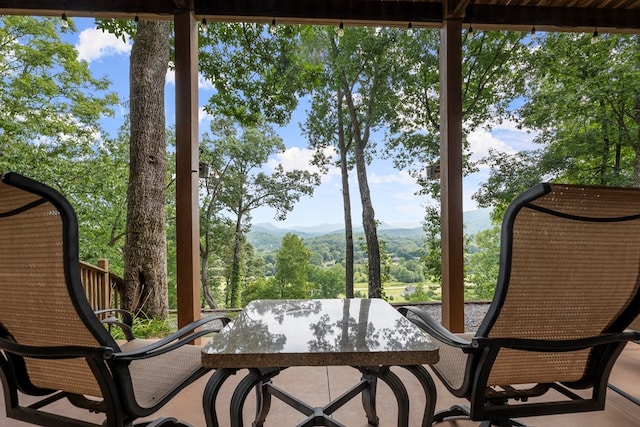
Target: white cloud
x,y
203,83
481,142
203,116
402,177
300,158
94,44
510,125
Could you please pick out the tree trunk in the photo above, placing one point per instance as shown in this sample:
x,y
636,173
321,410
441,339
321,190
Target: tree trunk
x,y
234,282
606,147
346,201
145,276
369,225
205,253
368,214
204,278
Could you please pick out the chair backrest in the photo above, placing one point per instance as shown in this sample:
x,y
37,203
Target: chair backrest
x,y
569,269
42,302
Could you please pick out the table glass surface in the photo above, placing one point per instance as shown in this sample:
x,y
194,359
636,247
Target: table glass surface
x,y
322,332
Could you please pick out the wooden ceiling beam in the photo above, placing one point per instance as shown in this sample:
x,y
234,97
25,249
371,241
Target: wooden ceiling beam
x,y
323,12
145,9
454,8
552,18
505,16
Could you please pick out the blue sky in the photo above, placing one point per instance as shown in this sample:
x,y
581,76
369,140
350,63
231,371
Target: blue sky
x,y
393,191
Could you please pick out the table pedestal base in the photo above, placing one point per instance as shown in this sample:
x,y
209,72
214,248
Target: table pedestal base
x,y
261,380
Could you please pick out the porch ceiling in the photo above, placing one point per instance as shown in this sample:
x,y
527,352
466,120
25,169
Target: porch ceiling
x,y
557,15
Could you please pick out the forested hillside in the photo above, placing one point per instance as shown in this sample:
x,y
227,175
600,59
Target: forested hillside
x,y
401,244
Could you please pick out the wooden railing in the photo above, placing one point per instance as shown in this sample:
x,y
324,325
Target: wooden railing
x,y
100,286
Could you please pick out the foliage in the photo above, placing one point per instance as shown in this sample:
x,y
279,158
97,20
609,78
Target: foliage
x,y
482,265
357,98
50,107
432,252
422,293
492,77
292,267
327,282
257,75
238,184
260,288
145,327
582,100
100,202
49,99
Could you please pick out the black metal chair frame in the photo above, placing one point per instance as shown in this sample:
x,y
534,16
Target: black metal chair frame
x,y
107,362
497,407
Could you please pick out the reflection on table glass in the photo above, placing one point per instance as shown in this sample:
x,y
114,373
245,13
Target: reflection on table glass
x,y
318,326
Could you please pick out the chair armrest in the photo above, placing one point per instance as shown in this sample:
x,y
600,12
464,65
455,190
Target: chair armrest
x,y
55,352
183,336
555,345
435,329
124,322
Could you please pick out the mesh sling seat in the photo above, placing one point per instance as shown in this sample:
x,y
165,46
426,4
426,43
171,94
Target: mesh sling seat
x,y
52,345
568,287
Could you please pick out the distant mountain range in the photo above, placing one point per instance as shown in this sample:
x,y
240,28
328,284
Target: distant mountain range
x,y
474,221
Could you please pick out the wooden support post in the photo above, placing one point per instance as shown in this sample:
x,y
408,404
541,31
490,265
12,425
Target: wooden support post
x,y
451,174
187,206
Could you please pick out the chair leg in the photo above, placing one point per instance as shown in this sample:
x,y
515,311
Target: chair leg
x,y
456,411
164,422
460,411
502,423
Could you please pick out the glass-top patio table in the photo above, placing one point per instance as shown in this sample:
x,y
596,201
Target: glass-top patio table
x,y
271,335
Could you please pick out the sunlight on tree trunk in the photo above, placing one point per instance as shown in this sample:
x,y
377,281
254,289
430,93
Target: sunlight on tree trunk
x,y
145,249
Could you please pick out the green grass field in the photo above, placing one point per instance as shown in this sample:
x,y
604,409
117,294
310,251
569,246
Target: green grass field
x,y
393,290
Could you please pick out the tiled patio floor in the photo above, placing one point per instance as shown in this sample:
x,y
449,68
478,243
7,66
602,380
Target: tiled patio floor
x,y
318,385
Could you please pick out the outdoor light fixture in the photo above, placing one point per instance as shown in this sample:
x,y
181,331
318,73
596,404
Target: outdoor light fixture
x,y
273,28
65,21
204,24
533,30
204,170
409,29
341,30
136,18
595,37
470,30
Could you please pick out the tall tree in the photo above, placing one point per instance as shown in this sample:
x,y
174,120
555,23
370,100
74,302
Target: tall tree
x,y
364,80
242,153
582,101
48,98
145,249
493,76
216,230
358,76
258,75
326,129
292,268
50,107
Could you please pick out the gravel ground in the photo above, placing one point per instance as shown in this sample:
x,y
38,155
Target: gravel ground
x,y
474,312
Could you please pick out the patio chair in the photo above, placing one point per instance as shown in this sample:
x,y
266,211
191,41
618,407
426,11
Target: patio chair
x,y
568,287
53,346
